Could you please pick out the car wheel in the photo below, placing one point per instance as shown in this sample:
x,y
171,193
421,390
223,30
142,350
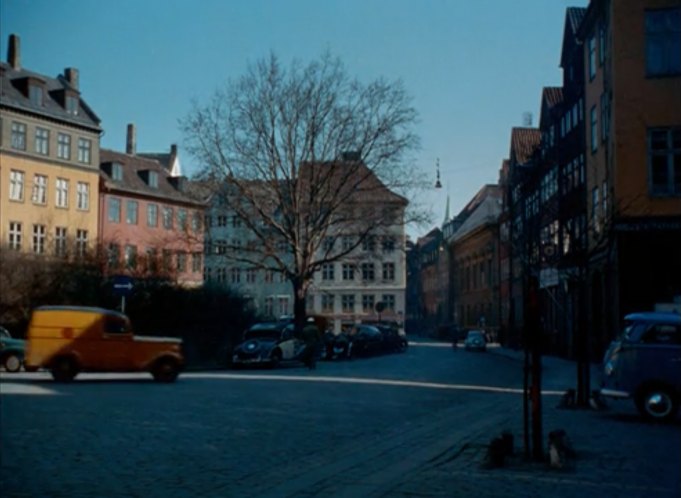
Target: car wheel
x,y
64,369
165,370
12,362
657,403
275,358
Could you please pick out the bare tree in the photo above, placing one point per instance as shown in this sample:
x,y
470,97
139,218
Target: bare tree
x,y
304,156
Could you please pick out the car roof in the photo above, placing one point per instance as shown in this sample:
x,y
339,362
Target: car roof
x,y
654,317
267,326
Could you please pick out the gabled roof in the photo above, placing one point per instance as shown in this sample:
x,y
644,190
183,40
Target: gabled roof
x,y
573,20
487,210
524,141
552,96
13,97
134,168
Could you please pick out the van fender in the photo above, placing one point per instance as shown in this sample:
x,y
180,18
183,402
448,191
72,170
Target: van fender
x,y
164,356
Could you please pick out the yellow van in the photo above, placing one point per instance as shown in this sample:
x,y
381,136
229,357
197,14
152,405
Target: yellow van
x,y
72,339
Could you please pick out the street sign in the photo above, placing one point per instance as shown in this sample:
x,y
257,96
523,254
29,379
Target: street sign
x,y
122,285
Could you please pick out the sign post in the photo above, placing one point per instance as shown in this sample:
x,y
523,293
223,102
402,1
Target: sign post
x,y
122,286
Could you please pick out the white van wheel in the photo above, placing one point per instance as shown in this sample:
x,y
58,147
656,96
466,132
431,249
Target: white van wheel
x,y
12,363
657,403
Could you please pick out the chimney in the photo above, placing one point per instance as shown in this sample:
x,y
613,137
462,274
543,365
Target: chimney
x,y
131,141
14,52
71,75
173,152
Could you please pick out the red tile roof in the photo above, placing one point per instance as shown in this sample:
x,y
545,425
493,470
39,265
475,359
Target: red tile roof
x,y
524,141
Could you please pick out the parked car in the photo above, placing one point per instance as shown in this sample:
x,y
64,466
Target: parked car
x,y
336,346
268,343
72,339
475,341
644,364
11,351
365,340
393,342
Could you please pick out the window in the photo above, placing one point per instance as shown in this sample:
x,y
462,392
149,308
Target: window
x,y
388,271
604,199
236,221
113,255
605,116
663,42
348,242
236,275
327,244
114,210
18,139
35,94
369,243
251,275
664,152
348,271
595,216
152,215
348,303
84,150
130,256
283,305
196,221
594,129
153,179
62,193
220,246
368,271
60,241
71,104
388,244
269,276
131,208
591,44
368,301
38,239
328,303
167,260
181,262
15,235
182,219
63,146
389,300
167,218
39,195
83,191
222,220
197,260
602,43
327,271
117,171
16,185
42,141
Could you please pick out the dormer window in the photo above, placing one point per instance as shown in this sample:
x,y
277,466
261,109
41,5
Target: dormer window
x,y
153,179
117,171
35,94
71,104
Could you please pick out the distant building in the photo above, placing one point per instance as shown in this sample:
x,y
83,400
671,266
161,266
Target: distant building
x,y
151,225
49,162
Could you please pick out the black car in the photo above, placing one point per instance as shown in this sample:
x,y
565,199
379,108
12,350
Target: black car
x,y
365,340
393,341
268,343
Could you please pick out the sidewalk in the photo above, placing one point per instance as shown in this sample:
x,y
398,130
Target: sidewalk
x,y
618,454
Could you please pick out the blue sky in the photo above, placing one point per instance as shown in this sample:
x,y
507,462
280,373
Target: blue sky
x,y
472,67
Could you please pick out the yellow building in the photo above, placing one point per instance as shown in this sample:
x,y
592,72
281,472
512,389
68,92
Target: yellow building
x,y
49,162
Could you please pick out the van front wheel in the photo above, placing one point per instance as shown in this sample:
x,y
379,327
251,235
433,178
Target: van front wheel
x,y
657,403
165,370
64,369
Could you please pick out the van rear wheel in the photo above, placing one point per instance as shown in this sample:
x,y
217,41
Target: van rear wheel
x,y
657,403
64,369
12,362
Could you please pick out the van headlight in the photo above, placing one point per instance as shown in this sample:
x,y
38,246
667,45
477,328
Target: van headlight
x,y
609,367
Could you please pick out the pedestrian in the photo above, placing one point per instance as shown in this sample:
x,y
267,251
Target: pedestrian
x,y
311,338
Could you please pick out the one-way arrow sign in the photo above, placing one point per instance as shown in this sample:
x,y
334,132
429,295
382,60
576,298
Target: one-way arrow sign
x,y
122,285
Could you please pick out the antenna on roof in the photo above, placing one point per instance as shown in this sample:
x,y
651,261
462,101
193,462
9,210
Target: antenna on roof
x,y
527,119
438,183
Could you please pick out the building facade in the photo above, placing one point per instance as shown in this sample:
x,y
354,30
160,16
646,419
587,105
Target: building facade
x,y
150,225
49,162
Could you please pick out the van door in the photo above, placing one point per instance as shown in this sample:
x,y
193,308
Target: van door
x,y
115,352
661,353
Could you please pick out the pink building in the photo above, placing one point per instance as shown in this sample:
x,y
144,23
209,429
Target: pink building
x,y
150,225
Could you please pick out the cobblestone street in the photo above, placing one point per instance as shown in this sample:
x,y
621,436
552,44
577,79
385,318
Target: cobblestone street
x,y
415,424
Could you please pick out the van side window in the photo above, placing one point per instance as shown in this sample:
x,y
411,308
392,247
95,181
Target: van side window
x,y
662,334
115,325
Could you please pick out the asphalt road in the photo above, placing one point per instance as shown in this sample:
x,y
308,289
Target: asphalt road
x,y
398,425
